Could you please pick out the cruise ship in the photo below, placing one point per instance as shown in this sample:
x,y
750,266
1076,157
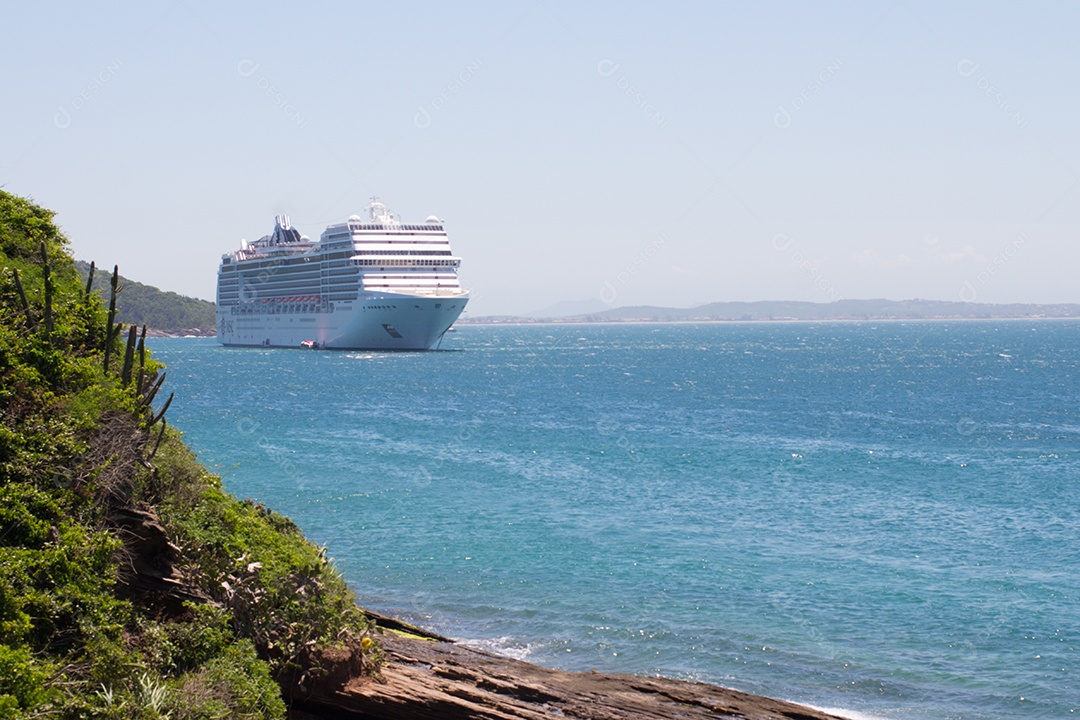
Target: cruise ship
x,y
374,284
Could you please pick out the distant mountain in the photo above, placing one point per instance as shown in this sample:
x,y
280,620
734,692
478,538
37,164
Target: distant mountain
x,y
566,308
163,312
793,310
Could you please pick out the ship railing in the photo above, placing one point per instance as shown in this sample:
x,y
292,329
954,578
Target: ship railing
x,y
417,292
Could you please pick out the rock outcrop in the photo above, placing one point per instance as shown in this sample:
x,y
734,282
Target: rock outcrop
x,y
438,680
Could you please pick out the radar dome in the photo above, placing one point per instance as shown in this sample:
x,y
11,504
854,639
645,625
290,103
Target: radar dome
x,y
355,218
432,219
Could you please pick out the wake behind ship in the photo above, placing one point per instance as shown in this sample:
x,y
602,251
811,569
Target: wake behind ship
x,y
372,284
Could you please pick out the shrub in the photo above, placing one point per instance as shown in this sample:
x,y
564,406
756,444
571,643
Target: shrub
x,y
281,591
23,681
75,450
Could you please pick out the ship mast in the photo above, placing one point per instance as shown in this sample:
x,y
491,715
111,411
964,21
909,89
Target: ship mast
x,y
380,213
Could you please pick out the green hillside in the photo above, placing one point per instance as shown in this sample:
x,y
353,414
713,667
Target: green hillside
x,y
160,310
131,584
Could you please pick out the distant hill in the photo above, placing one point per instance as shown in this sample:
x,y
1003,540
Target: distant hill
x,y
163,312
839,310
567,308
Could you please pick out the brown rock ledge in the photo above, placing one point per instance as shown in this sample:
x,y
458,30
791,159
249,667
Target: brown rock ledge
x,y
441,680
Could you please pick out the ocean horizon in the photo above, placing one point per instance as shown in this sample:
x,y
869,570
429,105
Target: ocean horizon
x,y
878,518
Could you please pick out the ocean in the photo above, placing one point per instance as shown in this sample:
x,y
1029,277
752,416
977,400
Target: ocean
x,y
877,517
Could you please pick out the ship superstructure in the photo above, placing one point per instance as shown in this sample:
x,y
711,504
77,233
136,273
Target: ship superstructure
x,y
374,284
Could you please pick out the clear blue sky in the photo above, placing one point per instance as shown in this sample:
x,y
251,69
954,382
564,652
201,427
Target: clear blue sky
x,y
631,153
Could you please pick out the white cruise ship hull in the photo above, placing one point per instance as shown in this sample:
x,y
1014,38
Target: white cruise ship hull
x,y
377,322
376,284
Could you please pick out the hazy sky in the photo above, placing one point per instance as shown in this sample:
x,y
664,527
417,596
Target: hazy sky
x,y
632,153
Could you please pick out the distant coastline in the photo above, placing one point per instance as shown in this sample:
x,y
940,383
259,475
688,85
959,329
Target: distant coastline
x,y
168,314
189,332
164,313
781,311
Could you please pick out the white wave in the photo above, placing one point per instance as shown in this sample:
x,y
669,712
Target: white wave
x,y
505,646
844,713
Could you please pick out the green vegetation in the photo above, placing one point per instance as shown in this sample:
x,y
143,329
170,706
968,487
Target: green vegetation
x,y
131,585
159,310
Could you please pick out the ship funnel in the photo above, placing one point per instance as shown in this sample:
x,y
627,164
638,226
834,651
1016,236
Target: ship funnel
x,y
284,231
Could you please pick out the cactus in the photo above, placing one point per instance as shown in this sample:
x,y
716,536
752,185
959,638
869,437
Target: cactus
x,y
48,291
129,356
161,413
22,297
142,362
112,332
89,281
157,444
148,396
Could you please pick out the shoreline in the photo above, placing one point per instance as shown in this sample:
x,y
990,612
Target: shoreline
x,y
762,321
521,322
436,678
403,631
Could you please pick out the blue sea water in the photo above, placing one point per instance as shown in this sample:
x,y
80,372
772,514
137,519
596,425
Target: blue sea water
x,y
878,517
